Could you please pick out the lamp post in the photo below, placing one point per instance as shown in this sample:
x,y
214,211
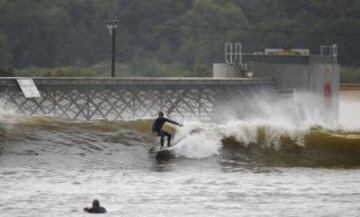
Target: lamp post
x,y
111,24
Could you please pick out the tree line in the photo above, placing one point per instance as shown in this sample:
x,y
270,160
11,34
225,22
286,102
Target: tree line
x,y
167,35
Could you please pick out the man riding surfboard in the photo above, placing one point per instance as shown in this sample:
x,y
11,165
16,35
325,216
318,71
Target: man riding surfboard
x,y
157,129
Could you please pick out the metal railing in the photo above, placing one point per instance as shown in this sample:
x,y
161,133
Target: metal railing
x,y
286,59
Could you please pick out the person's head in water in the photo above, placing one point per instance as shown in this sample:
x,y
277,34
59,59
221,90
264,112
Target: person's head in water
x,y
161,114
96,203
96,208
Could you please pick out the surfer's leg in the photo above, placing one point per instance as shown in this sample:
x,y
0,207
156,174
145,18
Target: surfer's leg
x,y
161,139
168,138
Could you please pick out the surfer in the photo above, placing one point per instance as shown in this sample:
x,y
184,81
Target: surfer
x,y
96,208
158,124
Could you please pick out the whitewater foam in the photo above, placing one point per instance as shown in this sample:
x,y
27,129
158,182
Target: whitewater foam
x,y
197,140
201,140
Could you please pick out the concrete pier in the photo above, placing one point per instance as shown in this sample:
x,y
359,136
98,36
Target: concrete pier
x,y
134,98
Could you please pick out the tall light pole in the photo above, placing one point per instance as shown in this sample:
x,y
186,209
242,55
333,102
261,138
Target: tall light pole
x,y
111,24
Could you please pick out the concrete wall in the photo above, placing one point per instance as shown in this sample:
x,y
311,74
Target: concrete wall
x,y
285,75
222,70
349,115
324,83
316,84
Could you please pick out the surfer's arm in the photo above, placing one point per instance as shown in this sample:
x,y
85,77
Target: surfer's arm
x,y
173,122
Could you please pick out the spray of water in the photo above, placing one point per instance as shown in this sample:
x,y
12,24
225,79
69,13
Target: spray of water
x,y
267,126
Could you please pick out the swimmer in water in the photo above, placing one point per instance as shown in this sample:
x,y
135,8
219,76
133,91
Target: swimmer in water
x,y
96,208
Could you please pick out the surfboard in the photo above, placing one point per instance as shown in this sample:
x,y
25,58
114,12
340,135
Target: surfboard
x,y
164,155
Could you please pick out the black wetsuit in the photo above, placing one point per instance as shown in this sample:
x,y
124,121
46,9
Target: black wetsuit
x,y
95,209
158,124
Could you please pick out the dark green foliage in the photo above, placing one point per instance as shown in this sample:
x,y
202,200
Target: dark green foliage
x,y
167,37
57,72
350,75
7,72
201,70
5,55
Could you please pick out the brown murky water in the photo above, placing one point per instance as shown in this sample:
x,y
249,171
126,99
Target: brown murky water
x,y
51,167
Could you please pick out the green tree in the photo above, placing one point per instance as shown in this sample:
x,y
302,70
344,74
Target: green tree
x,y
5,55
208,25
166,34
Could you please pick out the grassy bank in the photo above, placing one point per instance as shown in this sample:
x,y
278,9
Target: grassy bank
x,y
147,68
350,74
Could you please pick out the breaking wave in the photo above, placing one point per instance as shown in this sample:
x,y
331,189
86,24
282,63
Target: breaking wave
x,y
272,144
260,142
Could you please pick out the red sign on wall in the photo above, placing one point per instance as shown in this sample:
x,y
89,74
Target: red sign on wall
x,y
327,89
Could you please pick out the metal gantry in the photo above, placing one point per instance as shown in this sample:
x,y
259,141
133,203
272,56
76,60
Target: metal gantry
x,y
121,99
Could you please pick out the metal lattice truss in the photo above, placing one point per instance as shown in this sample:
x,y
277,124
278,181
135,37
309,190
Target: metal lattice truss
x,y
115,104
136,98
